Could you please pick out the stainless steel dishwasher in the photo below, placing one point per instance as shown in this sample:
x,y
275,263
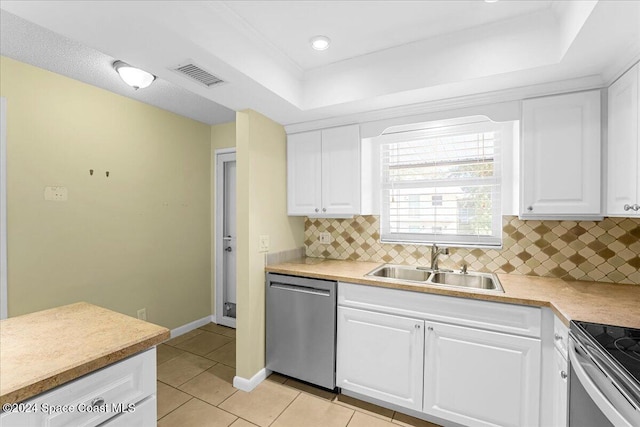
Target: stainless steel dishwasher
x,y
301,328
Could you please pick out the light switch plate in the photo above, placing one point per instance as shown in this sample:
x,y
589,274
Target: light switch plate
x,y
264,244
325,238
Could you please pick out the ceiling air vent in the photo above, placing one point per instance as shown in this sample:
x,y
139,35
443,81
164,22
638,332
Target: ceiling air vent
x,y
198,74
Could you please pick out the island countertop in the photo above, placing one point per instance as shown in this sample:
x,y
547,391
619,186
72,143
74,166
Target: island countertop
x,y
42,350
605,303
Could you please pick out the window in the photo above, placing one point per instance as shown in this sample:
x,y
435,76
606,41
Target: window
x,y
442,185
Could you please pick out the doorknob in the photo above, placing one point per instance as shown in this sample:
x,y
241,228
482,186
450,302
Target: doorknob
x,y
228,249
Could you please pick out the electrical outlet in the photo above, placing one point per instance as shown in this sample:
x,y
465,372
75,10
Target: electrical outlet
x,y
325,238
263,245
142,314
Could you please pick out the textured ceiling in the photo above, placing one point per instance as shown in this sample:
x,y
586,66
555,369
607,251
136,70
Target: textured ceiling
x,y
32,44
384,54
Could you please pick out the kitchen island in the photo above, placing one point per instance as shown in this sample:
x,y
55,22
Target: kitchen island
x,y
74,346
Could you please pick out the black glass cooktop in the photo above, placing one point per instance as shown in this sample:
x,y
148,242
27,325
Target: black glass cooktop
x,y
622,344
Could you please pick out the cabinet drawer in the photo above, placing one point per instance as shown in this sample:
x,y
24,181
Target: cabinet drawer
x,y
560,336
93,398
493,316
144,415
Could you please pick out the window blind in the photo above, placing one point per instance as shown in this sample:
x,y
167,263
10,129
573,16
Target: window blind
x,y
442,186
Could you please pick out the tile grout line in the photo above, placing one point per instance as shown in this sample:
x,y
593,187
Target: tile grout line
x,y
176,408
285,408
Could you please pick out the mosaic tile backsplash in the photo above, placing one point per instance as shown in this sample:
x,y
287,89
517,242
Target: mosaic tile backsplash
x,y
604,251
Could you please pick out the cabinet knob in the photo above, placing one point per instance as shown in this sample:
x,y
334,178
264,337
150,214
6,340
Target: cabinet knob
x,y
557,337
563,375
417,326
430,328
324,209
636,207
627,207
317,210
530,208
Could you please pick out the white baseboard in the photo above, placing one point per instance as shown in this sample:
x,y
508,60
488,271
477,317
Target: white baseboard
x,y
181,330
249,384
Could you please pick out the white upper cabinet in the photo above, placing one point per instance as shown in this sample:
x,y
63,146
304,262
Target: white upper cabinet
x,y
323,172
623,152
560,157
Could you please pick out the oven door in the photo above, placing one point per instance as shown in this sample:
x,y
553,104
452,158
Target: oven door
x,y
596,398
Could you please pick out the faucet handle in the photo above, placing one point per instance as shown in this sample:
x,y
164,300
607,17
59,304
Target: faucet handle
x,y
463,270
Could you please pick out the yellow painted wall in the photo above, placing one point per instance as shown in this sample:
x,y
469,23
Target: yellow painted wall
x,y
262,210
139,238
222,136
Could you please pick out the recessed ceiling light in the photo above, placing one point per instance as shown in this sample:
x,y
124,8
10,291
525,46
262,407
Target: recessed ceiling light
x,y
320,42
134,77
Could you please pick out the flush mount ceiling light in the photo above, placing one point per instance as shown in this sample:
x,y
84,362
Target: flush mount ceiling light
x,y
320,42
490,1
134,77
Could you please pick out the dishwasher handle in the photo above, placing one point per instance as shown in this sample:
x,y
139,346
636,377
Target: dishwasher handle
x,y
299,288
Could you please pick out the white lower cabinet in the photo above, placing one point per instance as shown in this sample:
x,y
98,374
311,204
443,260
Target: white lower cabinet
x,y
560,389
481,378
381,356
470,369
122,393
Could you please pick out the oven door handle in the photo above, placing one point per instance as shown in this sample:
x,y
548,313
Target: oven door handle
x,y
603,393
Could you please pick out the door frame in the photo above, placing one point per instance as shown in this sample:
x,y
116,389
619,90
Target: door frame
x,y
3,209
218,246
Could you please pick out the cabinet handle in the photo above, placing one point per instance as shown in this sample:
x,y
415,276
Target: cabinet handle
x,y
557,337
98,401
636,207
563,375
317,210
530,208
628,207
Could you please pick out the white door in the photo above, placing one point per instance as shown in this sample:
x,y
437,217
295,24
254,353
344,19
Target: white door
x,y
623,172
226,239
380,356
481,378
561,155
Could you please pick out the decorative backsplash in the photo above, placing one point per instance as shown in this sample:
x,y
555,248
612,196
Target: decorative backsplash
x,y
604,251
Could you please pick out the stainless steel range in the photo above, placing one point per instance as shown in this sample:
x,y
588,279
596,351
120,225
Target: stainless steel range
x,y
605,375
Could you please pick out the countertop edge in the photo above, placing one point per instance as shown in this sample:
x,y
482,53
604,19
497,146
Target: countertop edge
x,y
556,301
45,384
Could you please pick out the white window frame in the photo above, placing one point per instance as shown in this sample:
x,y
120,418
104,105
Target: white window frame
x,y
474,124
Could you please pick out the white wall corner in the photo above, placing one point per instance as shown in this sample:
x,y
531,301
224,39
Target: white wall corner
x,y
181,330
249,384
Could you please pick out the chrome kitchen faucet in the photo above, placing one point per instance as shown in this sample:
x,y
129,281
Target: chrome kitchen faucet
x,y
435,252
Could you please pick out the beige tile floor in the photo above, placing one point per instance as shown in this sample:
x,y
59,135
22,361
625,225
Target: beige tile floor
x,y
195,376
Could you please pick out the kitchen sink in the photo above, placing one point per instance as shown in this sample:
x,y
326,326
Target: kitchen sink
x,y
412,274
467,280
401,272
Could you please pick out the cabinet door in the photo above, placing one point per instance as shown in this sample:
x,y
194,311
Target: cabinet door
x,y
560,389
623,163
480,378
380,356
561,156
341,170
304,173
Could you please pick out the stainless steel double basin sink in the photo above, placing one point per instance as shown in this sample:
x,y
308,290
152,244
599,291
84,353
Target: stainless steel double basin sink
x,y
423,275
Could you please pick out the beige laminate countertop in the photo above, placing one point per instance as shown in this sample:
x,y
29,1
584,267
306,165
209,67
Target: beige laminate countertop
x,y
596,302
42,350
